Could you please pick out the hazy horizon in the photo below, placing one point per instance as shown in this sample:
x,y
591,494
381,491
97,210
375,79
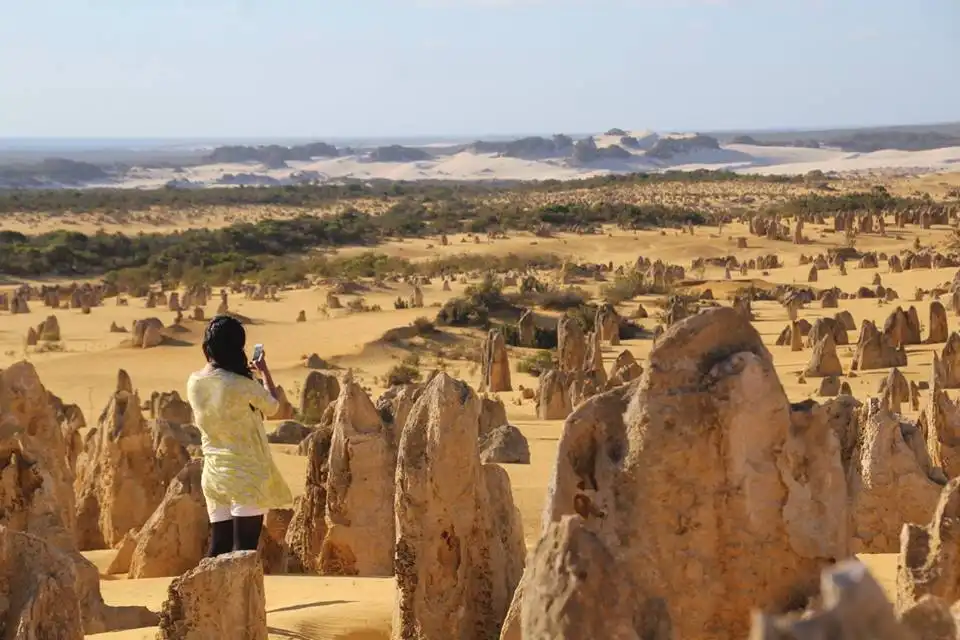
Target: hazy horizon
x,y
287,69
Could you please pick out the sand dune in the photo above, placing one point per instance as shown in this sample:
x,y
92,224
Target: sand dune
x,y
470,166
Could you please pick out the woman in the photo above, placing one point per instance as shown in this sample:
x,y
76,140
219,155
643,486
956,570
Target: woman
x,y
240,480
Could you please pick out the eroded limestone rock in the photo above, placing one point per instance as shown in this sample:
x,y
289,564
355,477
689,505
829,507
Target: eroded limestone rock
x,y
223,597
459,541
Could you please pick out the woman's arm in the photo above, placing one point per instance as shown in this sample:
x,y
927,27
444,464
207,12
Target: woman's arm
x,y
267,379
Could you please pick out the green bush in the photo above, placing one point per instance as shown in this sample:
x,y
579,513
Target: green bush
x,y
536,364
403,374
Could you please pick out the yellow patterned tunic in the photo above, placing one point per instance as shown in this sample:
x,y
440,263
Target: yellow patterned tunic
x,y
237,466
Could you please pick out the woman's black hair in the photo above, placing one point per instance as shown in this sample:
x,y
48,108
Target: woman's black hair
x,y
223,344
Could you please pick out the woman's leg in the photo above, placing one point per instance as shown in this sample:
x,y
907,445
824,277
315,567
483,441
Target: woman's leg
x,y
221,538
246,532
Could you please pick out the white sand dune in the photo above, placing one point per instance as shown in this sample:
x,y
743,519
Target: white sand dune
x,y
469,166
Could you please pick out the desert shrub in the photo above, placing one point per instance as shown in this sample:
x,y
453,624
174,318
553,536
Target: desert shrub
x,y
537,363
403,373
542,338
559,299
630,285
424,326
463,312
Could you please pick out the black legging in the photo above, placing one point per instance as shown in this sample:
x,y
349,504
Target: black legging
x,y
235,534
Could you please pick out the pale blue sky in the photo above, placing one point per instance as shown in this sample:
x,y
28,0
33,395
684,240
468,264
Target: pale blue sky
x,y
321,68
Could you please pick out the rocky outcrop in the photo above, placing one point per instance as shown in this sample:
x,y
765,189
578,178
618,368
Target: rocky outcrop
x,y
459,541
625,369
147,333
718,470
49,330
223,597
829,387
495,365
289,432
937,326
272,547
505,444
851,603
787,337
845,318
308,526
950,360
929,562
320,390
120,478
876,351
37,492
827,326
553,396
894,390
571,345
890,482
39,586
493,414
593,360
607,323
940,419
575,588
902,328
360,489
174,538
824,360
170,407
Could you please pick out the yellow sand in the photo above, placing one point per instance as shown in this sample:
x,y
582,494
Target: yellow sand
x,y
320,608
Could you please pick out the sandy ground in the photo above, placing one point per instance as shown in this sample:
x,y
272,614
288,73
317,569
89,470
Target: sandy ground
x,y
319,608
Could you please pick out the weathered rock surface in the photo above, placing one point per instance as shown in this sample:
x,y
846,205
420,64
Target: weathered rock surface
x,y
875,350
929,562
120,477
553,396
49,330
459,540
950,360
827,326
359,539
824,360
170,407
852,605
223,597
941,423
571,345
625,369
308,526
710,464
319,391
938,326
894,391
493,413
575,588
891,483
505,444
272,547
38,583
36,491
174,538
289,432
495,364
